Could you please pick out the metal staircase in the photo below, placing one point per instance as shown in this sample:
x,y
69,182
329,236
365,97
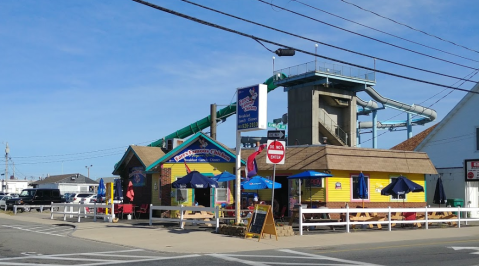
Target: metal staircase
x,y
330,128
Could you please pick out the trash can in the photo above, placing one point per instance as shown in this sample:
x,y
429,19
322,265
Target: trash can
x,y
455,202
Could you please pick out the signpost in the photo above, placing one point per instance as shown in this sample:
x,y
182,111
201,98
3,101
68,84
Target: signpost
x,y
277,125
276,150
276,134
251,110
261,221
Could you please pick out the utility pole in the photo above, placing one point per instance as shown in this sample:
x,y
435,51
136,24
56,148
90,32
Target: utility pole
x,y
213,121
88,167
7,151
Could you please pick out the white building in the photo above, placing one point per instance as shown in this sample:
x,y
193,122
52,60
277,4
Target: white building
x,y
13,185
68,183
448,144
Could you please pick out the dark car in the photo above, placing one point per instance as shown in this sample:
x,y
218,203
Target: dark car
x,y
35,196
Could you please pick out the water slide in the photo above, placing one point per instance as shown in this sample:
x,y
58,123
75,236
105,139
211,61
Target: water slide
x,y
206,122
426,114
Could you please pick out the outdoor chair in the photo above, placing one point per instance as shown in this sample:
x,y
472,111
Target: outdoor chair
x,y
281,215
143,209
127,209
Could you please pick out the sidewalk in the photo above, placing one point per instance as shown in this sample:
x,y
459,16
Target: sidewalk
x,y
195,239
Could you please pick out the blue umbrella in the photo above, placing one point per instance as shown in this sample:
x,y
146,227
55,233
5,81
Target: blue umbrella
x,y
224,177
194,180
439,194
259,182
308,175
362,187
401,186
118,190
101,191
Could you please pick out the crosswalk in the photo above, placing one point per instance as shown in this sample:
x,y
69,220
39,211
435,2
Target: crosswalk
x,y
54,230
116,257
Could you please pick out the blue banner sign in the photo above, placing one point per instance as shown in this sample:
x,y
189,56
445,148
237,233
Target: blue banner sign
x,y
251,108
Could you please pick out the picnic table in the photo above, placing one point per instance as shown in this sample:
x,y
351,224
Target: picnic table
x,y
198,215
366,217
322,218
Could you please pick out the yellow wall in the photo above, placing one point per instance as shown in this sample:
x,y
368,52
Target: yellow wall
x,y
179,170
377,181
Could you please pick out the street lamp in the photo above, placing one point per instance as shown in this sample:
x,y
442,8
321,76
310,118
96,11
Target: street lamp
x,y
88,167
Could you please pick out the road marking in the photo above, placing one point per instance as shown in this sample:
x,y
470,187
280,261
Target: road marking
x,y
462,248
55,233
83,257
299,259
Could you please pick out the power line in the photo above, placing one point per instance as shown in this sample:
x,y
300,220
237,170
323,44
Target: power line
x,y
333,46
289,47
410,27
365,36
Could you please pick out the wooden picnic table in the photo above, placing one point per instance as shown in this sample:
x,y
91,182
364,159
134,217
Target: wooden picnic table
x,y
366,217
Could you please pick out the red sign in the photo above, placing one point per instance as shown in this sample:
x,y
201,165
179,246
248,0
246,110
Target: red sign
x,y
276,150
470,175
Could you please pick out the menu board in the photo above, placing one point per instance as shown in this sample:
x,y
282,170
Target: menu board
x,y
261,222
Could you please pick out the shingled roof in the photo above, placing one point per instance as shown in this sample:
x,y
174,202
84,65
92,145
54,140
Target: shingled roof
x,y
67,178
412,143
329,157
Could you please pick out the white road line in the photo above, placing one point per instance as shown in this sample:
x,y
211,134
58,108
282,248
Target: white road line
x,y
34,231
228,258
349,262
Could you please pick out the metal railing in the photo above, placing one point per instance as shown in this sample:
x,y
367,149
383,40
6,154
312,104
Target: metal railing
x,y
328,69
386,217
332,126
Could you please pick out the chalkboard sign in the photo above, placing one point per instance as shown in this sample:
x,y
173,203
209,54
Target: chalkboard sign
x,y
261,222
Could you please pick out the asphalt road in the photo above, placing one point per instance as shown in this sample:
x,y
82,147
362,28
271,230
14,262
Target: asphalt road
x,y
38,244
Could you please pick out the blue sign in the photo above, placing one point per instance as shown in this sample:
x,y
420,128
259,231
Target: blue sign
x,y
202,151
137,176
251,108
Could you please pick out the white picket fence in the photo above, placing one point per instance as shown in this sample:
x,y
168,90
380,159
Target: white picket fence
x,y
81,210
387,213
188,218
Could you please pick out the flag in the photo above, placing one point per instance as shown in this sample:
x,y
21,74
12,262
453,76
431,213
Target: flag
x,y
251,167
187,168
129,191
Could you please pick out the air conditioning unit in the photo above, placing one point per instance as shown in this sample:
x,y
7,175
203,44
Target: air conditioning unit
x,y
173,143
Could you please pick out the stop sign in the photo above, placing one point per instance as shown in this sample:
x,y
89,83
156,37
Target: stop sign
x,y
275,152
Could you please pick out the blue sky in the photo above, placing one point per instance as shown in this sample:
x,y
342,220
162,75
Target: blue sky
x,y
82,80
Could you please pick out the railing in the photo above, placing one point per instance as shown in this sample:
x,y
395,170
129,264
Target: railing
x,y
387,216
68,209
329,69
29,207
182,219
332,127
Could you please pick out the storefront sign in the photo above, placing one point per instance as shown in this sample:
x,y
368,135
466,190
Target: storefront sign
x,y
201,151
251,108
314,182
338,185
472,170
137,176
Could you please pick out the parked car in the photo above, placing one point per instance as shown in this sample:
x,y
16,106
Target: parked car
x,y
4,194
89,199
35,196
78,197
3,201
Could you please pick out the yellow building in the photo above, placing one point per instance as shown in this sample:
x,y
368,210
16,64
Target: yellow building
x,y
345,163
153,169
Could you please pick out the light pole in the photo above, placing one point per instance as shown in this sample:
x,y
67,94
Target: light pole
x,y
88,167
273,64
315,56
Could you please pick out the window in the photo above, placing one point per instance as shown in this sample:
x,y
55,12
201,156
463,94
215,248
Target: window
x,y
398,197
355,187
221,194
181,193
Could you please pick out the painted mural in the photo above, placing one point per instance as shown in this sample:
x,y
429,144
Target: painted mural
x,y
137,176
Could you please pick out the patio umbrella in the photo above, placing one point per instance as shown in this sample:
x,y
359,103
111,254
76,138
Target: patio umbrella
x,y
118,190
308,175
259,182
195,180
130,193
101,191
362,187
439,194
224,177
401,186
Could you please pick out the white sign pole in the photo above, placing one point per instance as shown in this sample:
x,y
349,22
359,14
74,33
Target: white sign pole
x,y
272,193
238,178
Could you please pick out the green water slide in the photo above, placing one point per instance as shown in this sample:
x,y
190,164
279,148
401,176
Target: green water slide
x,y
206,122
